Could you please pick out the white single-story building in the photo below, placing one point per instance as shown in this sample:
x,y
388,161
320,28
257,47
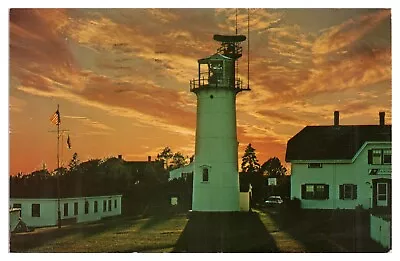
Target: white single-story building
x,y
41,212
342,166
181,172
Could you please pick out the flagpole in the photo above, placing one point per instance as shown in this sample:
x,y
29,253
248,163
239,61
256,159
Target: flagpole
x,y
58,168
62,149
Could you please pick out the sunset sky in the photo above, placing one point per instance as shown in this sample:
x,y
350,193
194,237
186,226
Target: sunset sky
x,y
121,77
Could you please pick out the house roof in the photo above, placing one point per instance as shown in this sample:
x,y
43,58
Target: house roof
x,y
334,142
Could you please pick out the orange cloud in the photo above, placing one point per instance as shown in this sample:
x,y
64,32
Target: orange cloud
x,y
346,33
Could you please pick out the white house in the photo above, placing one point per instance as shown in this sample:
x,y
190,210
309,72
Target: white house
x,y
342,166
40,212
181,172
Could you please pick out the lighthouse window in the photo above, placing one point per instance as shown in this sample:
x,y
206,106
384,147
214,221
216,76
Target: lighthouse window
x,y
205,175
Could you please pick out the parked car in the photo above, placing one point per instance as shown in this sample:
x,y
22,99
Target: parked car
x,y
273,201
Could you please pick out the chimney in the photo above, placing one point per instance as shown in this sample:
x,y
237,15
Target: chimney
x,y
120,156
148,158
336,118
382,118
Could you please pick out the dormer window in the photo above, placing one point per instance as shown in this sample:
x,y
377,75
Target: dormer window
x,y
387,156
380,156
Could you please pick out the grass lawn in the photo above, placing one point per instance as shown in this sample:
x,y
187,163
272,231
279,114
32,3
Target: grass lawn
x,y
260,231
120,234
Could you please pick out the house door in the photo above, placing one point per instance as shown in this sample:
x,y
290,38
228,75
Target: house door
x,y
381,194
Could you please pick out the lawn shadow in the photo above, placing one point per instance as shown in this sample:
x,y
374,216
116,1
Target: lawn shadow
x,y
21,242
327,231
154,221
234,232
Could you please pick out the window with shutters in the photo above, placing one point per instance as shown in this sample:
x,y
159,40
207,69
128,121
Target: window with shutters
x,y
348,191
315,191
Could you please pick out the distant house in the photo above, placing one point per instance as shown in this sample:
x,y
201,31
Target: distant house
x,y
342,166
142,166
41,212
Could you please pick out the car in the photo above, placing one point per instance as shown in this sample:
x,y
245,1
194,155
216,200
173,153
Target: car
x,y
273,201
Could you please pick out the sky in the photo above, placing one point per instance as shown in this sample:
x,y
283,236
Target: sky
x,y
121,77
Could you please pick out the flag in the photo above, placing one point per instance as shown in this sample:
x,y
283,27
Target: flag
x,y
55,118
69,142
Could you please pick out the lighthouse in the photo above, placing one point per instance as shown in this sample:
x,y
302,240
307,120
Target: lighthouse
x,y
216,178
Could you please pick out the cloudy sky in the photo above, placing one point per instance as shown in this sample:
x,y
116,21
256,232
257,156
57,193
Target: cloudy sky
x,y
121,77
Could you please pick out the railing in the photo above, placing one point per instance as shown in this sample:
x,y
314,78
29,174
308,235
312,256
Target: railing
x,y
221,82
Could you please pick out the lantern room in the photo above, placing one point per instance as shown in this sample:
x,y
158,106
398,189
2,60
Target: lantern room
x,y
216,71
219,69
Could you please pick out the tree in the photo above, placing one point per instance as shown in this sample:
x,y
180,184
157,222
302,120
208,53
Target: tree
x,y
249,160
178,160
165,155
273,168
74,163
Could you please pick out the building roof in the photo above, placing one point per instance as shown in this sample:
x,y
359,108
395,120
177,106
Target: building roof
x,y
334,142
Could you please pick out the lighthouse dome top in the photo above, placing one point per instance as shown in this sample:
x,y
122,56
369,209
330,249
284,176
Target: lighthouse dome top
x,y
229,38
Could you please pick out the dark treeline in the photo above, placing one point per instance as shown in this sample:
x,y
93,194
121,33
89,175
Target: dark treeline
x,y
143,184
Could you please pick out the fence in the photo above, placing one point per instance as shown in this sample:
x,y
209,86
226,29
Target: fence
x,y
381,230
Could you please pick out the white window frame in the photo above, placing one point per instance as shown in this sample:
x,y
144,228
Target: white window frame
x,y
382,194
376,157
387,152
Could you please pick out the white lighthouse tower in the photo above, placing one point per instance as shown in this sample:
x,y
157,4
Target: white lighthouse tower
x,y
216,179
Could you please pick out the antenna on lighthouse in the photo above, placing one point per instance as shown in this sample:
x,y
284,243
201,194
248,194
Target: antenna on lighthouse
x,y
236,23
237,62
